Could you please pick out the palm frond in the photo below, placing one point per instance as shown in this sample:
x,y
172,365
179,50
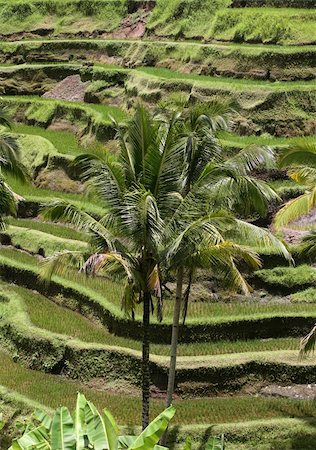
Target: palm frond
x,y
252,157
61,264
141,136
104,176
10,161
308,247
259,238
295,208
63,211
4,118
308,342
303,175
7,202
246,195
303,152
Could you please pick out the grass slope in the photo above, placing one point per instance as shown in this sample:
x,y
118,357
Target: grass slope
x,y
53,391
199,312
48,315
33,240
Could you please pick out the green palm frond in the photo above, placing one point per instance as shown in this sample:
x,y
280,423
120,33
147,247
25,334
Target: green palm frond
x,y
142,134
7,203
303,175
252,157
4,118
261,239
308,247
164,165
141,218
104,176
63,211
303,152
126,152
295,208
215,115
61,264
10,155
307,344
243,194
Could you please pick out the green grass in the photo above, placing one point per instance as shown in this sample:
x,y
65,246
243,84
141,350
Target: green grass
x,y
63,141
88,15
102,112
265,25
30,192
48,315
58,230
35,150
32,240
109,294
306,296
39,106
289,277
54,391
235,140
232,84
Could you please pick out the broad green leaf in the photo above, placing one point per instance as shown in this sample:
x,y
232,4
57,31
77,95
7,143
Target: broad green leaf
x,y
37,438
43,418
111,429
96,430
188,443
80,425
62,434
215,443
152,434
126,441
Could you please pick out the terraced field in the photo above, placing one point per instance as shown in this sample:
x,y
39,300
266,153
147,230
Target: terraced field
x,y
63,81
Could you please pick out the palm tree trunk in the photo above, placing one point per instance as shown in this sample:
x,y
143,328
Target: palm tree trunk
x,y
174,345
145,361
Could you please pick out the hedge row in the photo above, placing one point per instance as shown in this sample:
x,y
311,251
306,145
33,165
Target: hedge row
x,y
44,351
268,327
274,3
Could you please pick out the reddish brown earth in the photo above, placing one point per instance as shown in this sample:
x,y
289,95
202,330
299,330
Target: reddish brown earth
x,y
71,89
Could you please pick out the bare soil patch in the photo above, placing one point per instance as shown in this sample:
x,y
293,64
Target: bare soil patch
x,y
71,89
294,391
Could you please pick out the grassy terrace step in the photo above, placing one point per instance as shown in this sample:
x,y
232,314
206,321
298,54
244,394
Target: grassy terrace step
x,y
270,25
49,315
64,142
216,321
90,117
103,71
52,391
265,61
37,197
279,108
32,240
54,229
45,350
287,280
245,435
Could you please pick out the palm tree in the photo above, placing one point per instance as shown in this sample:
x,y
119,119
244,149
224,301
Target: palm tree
x,y
139,188
222,184
10,163
150,212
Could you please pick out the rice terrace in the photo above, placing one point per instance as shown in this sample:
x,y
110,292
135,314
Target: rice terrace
x,y
157,224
